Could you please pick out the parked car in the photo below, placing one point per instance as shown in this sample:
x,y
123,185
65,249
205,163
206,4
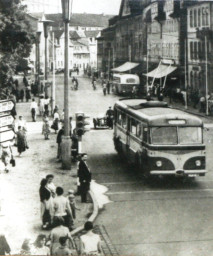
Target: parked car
x,y
100,122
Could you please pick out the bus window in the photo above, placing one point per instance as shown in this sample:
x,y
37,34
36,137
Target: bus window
x,y
190,135
164,135
139,130
133,126
124,121
119,118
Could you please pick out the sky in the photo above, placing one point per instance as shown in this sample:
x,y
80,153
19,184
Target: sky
x,y
96,6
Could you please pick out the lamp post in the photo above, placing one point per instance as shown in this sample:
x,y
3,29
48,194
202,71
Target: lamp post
x,y
38,40
46,23
66,141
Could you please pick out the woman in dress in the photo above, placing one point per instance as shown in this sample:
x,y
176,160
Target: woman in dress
x,y
52,188
56,118
40,247
59,231
41,105
46,128
90,243
6,156
21,140
45,196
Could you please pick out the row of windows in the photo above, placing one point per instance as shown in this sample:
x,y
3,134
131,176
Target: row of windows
x,y
197,79
135,127
199,17
197,50
165,50
169,6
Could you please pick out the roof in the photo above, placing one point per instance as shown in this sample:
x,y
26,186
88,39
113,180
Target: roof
x,y
58,33
92,33
77,34
156,114
37,15
82,19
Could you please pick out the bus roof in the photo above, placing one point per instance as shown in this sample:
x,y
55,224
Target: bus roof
x,y
157,113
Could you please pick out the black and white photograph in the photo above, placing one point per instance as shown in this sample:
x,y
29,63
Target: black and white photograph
x,y
106,127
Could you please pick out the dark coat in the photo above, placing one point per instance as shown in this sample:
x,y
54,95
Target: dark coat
x,y
83,173
4,246
59,136
44,194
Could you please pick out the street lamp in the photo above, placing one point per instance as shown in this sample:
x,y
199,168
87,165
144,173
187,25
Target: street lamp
x,y
38,40
66,141
46,23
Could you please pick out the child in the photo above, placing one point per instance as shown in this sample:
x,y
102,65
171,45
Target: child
x,y
71,198
46,128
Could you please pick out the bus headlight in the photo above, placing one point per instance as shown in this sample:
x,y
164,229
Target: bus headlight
x,y
198,163
159,163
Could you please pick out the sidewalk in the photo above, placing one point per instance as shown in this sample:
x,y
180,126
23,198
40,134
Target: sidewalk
x,y
189,109
20,187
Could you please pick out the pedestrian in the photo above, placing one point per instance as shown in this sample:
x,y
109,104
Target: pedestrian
x,y
104,87
56,118
46,105
41,105
59,141
21,141
21,123
84,176
17,95
33,108
46,128
26,248
50,185
70,122
28,96
90,243
4,246
63,249
202,104
6,156
62,207
22,95
110,116
59,231
40,247
74,146
108,87
77,70
71,198
45,195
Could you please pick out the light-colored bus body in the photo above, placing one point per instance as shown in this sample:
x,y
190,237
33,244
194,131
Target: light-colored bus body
x,y
158,139
123,83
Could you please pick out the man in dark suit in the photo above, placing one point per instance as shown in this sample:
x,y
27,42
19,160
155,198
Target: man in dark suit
x,y
84,176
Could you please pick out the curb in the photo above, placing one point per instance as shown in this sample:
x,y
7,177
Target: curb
x,y
92,217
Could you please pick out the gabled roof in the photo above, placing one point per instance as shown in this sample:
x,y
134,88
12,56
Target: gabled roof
x,y
77,34
92,33
81,19
58,33
37,15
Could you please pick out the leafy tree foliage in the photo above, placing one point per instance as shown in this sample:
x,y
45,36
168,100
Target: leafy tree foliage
x,y
16,38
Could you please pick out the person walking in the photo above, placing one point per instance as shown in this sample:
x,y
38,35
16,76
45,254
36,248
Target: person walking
x,y
27,95
56,118
110,116
90,243
21,141
62,207
59,231
45,195
46,128
84,176
21,123
108,87
41,105
33,108
104,87
6,156
39,247
46,105
22,95
59,141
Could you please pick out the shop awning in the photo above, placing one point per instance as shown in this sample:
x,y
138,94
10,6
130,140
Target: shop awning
x,y
125,67
161,71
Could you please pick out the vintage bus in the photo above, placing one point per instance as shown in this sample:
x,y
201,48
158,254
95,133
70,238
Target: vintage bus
x,y
123,84
158,139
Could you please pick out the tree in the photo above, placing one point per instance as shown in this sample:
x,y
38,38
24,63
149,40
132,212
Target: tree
x,y
16,38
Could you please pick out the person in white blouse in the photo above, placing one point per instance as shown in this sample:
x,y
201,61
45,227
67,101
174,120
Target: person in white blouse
x,y
33,108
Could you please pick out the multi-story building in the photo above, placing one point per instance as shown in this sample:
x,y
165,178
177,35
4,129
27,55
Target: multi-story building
x,y
46,6
200,46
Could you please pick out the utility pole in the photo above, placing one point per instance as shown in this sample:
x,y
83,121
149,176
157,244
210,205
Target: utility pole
x,y
206,51
186,84
53,81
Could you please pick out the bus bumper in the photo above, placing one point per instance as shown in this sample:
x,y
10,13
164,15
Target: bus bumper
x,y
179,172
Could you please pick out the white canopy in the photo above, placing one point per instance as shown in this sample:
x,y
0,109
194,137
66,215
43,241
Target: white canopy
x,y
161,71
125,67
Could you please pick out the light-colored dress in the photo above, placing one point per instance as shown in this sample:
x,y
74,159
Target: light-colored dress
x,y
49,203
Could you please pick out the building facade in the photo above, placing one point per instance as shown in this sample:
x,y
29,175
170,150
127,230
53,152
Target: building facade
x,y
45,6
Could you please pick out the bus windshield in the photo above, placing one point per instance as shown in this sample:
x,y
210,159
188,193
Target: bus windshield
x,y
176,135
